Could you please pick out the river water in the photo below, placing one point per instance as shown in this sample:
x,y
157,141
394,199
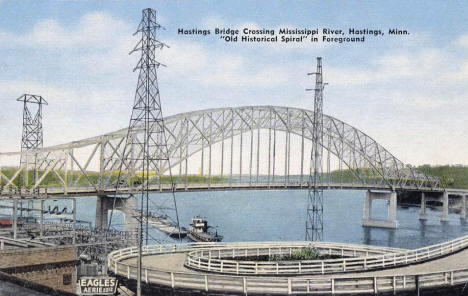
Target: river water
x,y
280,216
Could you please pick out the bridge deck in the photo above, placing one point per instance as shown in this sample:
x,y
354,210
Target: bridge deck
x,y
59,192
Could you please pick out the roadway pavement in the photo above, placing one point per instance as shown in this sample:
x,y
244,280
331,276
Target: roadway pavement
x,y
175,263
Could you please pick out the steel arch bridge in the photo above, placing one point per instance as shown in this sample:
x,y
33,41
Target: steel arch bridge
x,y
244,147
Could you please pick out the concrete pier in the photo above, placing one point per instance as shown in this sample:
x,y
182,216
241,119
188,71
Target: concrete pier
x,y
127,206
445,207
391,199
463,207
102,207
15,219
41,218
422,211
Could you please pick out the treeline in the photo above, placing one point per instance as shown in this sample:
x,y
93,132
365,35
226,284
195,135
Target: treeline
x,y
452,176
76,178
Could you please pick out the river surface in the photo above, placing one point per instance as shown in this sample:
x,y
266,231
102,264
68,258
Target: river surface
x,y
280,216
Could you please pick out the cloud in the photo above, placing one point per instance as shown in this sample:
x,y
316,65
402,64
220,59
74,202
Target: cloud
x,y
425,65
98,93
184,57
71,113
94,30
460,74
213,21
87,53
407,89
207,67
91,51
462,41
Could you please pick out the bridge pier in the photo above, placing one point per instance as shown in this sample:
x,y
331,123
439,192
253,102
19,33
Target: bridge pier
x,y
41,219
445,207
460,204
463,207
15,218
422,211
391,199
101,211
127,206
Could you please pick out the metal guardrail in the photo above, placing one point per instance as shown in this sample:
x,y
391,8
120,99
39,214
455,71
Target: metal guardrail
x,y
288,285
212,260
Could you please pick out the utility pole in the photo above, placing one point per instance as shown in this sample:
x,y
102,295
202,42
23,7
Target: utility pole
x,y
314,222
32,136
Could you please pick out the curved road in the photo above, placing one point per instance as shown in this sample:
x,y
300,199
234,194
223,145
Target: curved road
x,y
174,262
445,269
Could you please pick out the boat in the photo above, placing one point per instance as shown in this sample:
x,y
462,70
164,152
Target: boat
x,y
162,224
199,231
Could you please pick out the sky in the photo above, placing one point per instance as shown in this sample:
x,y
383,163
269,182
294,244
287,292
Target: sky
x,y
407,92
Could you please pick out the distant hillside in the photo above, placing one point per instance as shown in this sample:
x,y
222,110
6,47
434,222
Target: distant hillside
x,y
450,175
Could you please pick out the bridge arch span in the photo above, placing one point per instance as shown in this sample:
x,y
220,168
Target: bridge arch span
x,y
198,132
366,159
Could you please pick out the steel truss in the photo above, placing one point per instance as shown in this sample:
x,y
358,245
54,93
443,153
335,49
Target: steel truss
x,y
314,220
196,133
32,136
145,147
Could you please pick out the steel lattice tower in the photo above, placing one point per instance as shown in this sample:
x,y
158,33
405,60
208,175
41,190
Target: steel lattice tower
x,y
147,153
32,137
314,222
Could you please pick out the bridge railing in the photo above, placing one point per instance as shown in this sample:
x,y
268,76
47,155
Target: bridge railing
x,y
92,190
362,259
280,285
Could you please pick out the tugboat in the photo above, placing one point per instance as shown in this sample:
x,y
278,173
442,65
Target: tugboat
x,y
198,231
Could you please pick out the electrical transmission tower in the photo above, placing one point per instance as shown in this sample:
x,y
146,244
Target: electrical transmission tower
x,y
146,152
32,136
314,222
